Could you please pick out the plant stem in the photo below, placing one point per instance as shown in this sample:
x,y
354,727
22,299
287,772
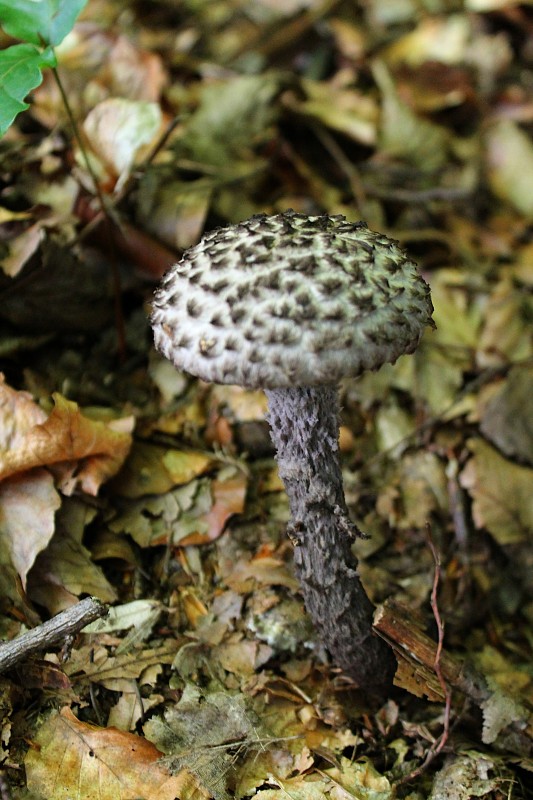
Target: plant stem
x,y
304,430
117,285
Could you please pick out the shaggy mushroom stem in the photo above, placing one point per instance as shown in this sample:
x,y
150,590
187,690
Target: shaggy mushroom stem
x,y
304,425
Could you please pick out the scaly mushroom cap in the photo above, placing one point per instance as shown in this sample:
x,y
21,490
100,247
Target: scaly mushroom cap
x,y
290,300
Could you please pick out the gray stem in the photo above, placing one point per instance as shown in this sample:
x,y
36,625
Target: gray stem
x,y
64,624
305,429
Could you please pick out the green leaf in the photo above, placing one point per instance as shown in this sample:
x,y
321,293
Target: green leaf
x,y
20,72
41,22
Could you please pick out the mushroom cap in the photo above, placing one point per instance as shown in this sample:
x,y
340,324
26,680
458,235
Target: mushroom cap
x,y
290,300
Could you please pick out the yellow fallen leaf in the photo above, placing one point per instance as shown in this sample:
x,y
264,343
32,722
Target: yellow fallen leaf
x,y
151,469
184,466
509,162
501,494
72,760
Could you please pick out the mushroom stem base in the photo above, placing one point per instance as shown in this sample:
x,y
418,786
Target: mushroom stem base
x,y
304,429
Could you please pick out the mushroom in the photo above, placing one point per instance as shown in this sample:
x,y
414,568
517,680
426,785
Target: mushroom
x,y
292,304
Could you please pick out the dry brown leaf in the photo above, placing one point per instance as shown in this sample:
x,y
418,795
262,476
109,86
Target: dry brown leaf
x,y
265,570
94,662
65,570
67,435
506,334
28,504
228,499
241,656
18,414
119,132
21,249
134,73
72,760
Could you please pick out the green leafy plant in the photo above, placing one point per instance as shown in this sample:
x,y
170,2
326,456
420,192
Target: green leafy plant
x,y
41,25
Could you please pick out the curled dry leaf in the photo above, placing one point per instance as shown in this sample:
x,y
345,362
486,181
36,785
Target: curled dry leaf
x,y
28,504
228,499
119,131
31,440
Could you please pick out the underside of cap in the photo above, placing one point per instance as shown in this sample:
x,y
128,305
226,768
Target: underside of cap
x,y
290,300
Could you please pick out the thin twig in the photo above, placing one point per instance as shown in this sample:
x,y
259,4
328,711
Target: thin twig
x,y
50,632
439,743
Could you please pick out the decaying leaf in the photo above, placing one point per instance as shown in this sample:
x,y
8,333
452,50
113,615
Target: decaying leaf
x,y
310,787
510,690
507,417
18,415
202,731
505,333
195,513
174,210
343,109
232,117
361,779
402,134
93,662
465,775
501,490
122,617
21,248
499,710
65,570
442,39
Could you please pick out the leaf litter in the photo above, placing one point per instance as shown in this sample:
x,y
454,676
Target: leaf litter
x,y
124,480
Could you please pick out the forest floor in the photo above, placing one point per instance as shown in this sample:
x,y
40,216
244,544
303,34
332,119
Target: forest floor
x,y
124,480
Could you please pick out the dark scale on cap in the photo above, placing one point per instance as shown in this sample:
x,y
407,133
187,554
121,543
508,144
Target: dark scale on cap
x,y
331,285
306,265
184,341
262,257
217,320
252,334
220,285
335,314
193,308
303,299
290,299
232,343
238,314
271,280
242,290
254,356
